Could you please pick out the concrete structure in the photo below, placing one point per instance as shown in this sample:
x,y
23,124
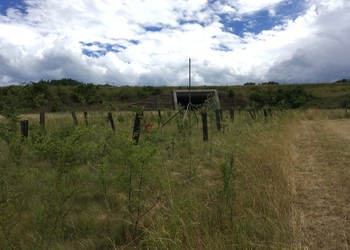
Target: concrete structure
x,y
198,97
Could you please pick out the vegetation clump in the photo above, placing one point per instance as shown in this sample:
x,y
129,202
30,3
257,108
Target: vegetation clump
x,y
88,186
289,97
67,94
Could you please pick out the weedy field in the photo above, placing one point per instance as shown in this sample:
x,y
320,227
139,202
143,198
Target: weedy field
x,y
86,186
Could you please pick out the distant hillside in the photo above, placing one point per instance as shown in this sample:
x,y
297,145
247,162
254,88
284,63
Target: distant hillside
x,y
68,94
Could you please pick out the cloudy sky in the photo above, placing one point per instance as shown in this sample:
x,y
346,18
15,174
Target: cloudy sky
x,y
149,42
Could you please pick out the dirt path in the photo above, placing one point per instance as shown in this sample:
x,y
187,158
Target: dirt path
x,y
322,184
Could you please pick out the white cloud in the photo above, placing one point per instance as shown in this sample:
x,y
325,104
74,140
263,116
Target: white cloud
x,y
322,55
141,41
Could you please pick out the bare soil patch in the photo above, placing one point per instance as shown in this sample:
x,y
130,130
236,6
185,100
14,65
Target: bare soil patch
x,y
322,184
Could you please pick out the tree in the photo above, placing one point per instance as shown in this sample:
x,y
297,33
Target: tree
x,y
85,94
249,84
270,83
293,97
231,93
65,82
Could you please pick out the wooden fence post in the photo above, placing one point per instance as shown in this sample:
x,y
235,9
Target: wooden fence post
x,y
137,127
265,113
269,111
24,128
232,114
159,118
205,125
42,119
111,121
85,117
75,120
217,117
252,113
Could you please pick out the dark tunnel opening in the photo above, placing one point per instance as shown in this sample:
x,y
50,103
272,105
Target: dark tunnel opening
x,y
198,98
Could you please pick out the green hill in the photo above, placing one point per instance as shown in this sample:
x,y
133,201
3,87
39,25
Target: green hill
x,y
68,94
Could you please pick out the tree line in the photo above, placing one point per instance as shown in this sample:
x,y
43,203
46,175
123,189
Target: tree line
x,y
67,94
58,95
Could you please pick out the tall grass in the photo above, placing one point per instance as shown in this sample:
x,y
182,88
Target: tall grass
x,y
85,187
325,114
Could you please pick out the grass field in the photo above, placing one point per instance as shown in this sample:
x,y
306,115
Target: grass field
x,y
87,187
322,178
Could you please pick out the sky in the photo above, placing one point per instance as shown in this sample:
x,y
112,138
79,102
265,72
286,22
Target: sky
x,y
149,42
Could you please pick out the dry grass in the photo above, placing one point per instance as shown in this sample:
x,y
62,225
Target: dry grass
x,y
321,179
233,191
324,114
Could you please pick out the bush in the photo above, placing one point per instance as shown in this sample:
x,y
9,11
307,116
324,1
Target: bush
x,y
126,93
292,97
86,94
231,93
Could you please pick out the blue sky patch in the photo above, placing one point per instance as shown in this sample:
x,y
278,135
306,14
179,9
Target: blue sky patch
x,y
98,49
17,4
291,9
153,28
222,47
250,24
263,20
184,22
135,42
